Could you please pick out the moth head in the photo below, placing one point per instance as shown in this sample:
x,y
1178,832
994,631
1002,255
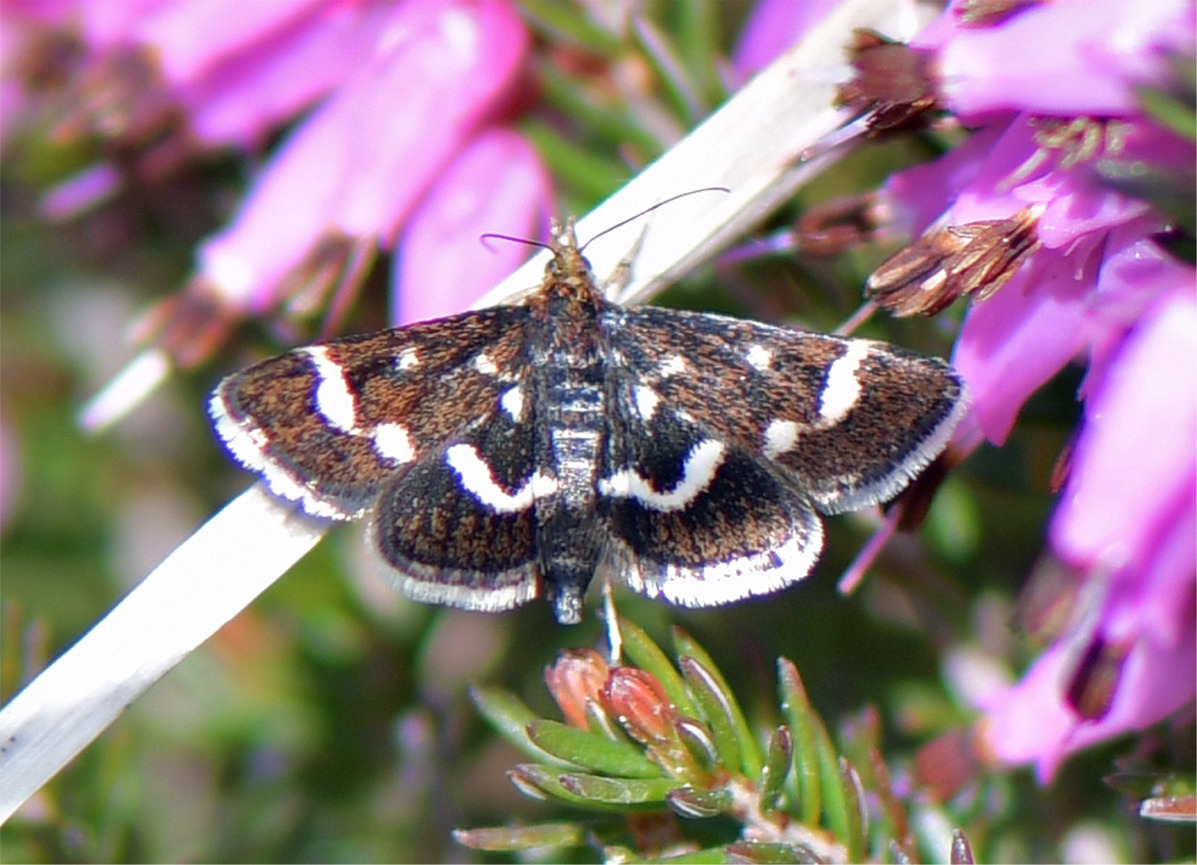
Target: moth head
x,y
568,266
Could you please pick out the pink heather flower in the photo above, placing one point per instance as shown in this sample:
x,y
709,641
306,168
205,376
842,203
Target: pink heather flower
x,y
1126,521
1097,288
1062,302
1066,57
400,99
237,70
1100,289
359,165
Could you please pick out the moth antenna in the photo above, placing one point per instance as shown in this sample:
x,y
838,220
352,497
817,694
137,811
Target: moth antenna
x,y
490,235
650,209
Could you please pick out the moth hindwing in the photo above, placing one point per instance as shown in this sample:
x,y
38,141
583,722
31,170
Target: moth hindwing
x,y
513,452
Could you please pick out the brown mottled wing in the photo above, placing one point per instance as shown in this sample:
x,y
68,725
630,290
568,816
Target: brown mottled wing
x,y
848,422
330,425
727,437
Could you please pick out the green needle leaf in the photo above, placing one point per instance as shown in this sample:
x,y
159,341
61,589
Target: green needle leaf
x,y
511,717
511,838
757,851
802,721
837,800
715,708
777,768
856,831
597,790
751,759
697,804
590,751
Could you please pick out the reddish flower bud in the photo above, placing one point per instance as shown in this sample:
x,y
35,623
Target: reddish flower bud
x,y
639,701
576,680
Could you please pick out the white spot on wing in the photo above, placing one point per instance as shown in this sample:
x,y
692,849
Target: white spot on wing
x,y
392,442
780,437
647,400
334,400
759,357
485,364
672,365
512,402
841,388
543,485
478,480
409,358
906,469
699,470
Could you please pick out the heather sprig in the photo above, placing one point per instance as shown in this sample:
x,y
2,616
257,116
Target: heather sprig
x,y
661,753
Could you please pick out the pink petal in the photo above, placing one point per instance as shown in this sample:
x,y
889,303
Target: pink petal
x,y
1031,722
925,192
1151,610
241,97
975,180
1135,273
41,11
188,36
360,163
108,25
1138,448
1018,339
1128,517
1068,57
1155,596
497,184
463,61
284,213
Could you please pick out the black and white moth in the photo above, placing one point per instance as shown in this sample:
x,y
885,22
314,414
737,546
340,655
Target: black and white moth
x,y
511,453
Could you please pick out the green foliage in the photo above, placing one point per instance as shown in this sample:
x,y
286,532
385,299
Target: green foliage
x,y
790,796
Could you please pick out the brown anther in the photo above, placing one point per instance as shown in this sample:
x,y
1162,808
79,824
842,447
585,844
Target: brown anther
x,y
1094,682
189,325
973,259
838,225
893,84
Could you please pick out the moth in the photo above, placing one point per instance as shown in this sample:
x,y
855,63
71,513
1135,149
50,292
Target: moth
x,y
512,453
